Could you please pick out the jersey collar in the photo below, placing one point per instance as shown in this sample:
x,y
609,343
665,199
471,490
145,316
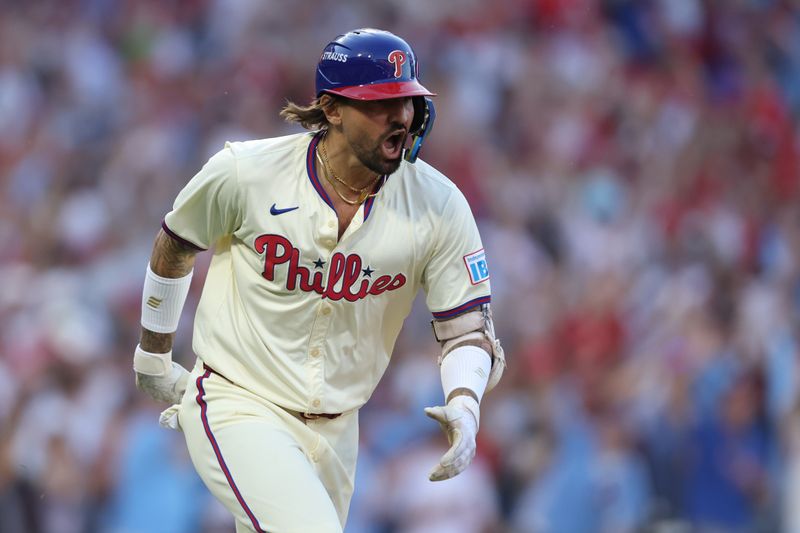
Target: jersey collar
x,y
311,167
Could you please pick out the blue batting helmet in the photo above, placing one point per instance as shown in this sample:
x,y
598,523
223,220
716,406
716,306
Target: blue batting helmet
x,y
369,64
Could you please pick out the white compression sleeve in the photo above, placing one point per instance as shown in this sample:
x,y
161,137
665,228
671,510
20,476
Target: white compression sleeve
x,y
162,301
466,367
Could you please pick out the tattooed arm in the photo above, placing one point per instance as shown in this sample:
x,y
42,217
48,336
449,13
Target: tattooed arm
x,y
166,285
170,259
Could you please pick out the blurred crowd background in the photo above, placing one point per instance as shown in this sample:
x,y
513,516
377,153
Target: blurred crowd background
x,y
635,170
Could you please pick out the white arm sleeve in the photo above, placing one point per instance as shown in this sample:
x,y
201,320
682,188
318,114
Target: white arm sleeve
x,y
466,367
162,301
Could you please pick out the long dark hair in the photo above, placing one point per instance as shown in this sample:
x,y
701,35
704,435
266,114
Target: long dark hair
x,y
311,116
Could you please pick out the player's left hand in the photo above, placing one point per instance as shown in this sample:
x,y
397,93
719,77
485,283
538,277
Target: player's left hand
x,y
459,420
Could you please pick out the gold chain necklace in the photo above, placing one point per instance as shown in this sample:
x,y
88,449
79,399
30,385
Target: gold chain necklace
x,y
363,193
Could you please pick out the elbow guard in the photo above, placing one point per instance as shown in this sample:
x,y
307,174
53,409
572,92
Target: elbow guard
x,y
475,325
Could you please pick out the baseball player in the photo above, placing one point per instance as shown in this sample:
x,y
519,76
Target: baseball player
x,y
321,242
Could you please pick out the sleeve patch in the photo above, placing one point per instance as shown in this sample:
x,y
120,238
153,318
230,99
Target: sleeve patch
x,y
477,267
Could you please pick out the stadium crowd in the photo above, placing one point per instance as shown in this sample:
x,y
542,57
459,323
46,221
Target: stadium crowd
x,y
634,166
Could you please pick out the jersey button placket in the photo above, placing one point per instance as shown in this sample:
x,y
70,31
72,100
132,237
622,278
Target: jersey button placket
x,y
328,234
315,363
316,351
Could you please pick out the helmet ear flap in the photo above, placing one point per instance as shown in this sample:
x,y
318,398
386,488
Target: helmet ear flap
x,y
419,114
418,136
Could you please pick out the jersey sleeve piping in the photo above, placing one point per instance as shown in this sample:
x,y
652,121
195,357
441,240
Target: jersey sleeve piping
x,y
461,308
180,239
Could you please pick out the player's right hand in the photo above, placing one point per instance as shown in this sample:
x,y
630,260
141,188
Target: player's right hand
x,y
159,376
459,420
168,388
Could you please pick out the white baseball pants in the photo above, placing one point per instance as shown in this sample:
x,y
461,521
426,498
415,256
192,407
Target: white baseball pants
x,y
273,470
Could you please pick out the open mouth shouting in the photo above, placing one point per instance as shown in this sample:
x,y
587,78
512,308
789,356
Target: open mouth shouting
x,y
392,145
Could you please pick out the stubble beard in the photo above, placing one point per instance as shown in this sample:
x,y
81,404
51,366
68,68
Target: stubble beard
x,y
370,157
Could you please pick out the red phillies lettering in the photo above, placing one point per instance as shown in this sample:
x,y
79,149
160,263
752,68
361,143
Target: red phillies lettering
x,y
302,274
344,280
270,244
380,284
335,273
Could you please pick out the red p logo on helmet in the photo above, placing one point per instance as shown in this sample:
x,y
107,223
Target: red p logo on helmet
x,y
398,59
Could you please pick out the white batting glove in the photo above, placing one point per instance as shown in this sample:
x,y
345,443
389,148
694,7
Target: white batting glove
x,y
459,420
159,376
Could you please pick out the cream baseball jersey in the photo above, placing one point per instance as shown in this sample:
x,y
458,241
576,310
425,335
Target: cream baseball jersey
x,y
297,316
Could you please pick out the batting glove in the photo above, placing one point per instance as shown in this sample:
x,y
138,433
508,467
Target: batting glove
x,y
459,420
159,376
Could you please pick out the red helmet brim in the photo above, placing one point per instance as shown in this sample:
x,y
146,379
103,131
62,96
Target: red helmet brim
x,y
382,91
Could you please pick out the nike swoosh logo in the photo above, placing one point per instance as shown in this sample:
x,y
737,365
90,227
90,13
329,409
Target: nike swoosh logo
x,y
275,211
